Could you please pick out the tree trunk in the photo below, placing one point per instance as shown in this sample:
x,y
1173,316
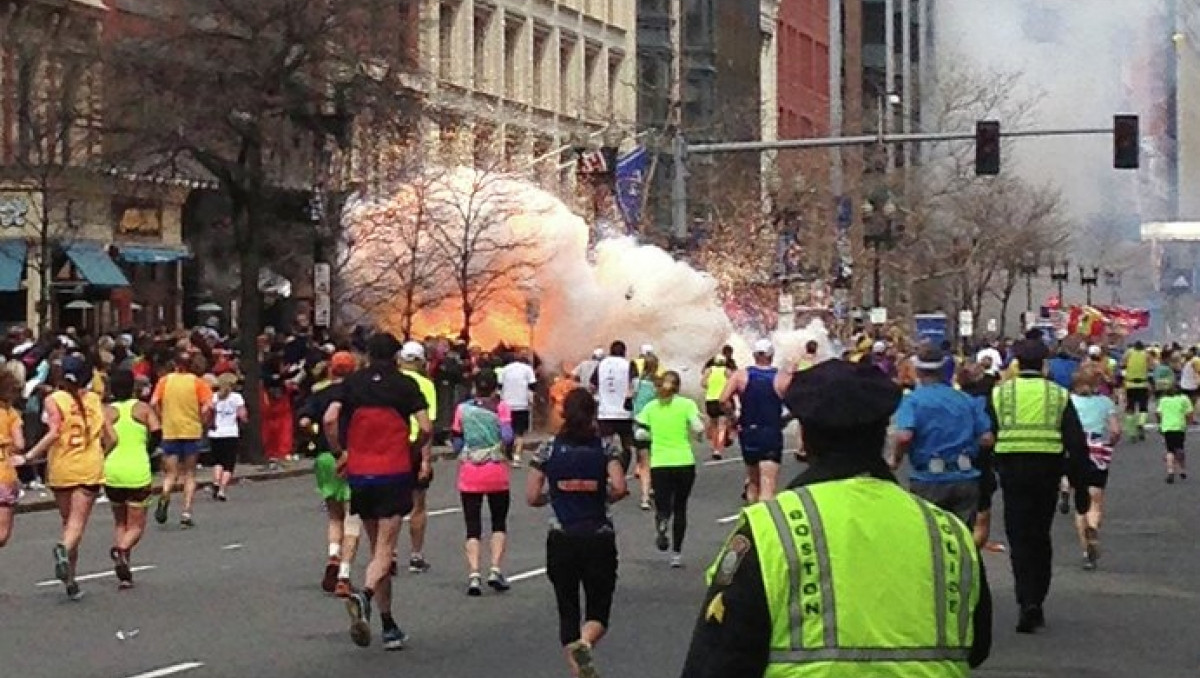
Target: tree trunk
x,y
247,224
45,273
1004,299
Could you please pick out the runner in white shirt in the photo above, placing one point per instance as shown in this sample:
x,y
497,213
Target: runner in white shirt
x,y
229,414
517,384
613,383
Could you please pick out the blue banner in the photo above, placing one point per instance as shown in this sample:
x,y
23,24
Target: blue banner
x,y
931,327
630,184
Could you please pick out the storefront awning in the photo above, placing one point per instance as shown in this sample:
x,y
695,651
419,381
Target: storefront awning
x,y
96,267
140,254
12,264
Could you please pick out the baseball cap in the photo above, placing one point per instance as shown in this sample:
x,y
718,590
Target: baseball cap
x,y
647,349
764,347
1094,350
342,363
412,351
75,369
598,353
930,358
878,347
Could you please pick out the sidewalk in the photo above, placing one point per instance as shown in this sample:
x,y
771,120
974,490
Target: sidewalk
x,y
43,500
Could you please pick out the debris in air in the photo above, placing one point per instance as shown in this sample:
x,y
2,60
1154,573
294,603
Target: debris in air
x,y
128,635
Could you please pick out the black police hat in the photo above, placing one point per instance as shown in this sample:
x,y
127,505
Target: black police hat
x,y
837,394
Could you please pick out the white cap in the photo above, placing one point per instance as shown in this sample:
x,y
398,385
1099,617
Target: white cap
x,y
764,347
879,347
1094,350
647,349
597,354
412,351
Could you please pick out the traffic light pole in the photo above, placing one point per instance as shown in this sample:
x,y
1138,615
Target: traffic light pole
x,y
681,149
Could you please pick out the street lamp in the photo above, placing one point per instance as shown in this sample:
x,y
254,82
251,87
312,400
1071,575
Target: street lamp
x,y
880,232
1089,281
1029,269
1060,273
1112,280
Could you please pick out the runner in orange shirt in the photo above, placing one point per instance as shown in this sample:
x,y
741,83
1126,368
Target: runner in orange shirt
x,y
183,402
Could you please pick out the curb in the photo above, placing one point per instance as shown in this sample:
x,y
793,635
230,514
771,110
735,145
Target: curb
x,y
306,468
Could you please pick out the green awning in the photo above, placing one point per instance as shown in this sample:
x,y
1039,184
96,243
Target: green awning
x,y
12,264
96,267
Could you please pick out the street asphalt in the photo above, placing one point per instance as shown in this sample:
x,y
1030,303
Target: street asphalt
x,y
239,596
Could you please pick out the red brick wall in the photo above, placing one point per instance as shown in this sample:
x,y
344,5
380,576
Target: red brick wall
x,y
803,35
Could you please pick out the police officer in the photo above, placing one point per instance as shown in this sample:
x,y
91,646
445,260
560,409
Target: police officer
x,y
1038,439
844,573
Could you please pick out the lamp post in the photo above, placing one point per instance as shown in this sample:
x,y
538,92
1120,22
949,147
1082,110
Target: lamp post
x,y
1029,269
1112,280
1089,281
880,232
1060,273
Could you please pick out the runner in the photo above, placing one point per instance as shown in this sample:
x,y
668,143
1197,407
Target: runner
x,y
183,403
412,363
645,389
12,439
1102,424
586,368
76,440
518,382
1174,414
667,423
374,410
613,381
342,529
229,414
713,381
1136,368
579,475
127,475
481,434
759,421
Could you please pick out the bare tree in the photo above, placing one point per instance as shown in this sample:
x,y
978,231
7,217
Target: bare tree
x,y
57,111
255,91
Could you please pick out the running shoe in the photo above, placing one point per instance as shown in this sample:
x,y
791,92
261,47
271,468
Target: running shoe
x,y
1092,550
676,560
394,638
120,560
417,564
475,585
716,456
498,581
186,522
214,490
581,654
221,496
359,608
329,581
645,504
660,539
62,563
1183,475
1088,564
160,511
1170,478
342,588
1064,502
74,593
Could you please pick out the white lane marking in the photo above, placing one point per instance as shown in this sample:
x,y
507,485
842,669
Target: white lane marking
x,y
439,512
728,519
528,575
721,462
97,575
231,547
169,670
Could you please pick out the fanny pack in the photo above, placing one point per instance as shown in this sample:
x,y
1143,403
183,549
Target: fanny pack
x,y
483,455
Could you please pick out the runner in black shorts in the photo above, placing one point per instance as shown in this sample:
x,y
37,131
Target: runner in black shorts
x,y
371,418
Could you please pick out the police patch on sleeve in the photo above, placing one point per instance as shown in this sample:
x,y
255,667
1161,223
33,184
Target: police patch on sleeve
x,y
731,560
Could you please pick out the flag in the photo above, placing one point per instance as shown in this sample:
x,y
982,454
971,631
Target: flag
x,y
631,181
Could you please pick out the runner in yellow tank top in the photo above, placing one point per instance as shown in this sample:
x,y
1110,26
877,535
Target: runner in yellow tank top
x,y
715,376
76,440
127,474
12,441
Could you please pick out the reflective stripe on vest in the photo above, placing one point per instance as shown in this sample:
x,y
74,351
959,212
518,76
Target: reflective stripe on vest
x,y
1029,413
791,534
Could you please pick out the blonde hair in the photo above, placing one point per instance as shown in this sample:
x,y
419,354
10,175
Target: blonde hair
x,y
226,382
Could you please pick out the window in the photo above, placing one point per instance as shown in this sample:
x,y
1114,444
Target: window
x,y
512,58
615,61
591,96
540,38
512,147
449,12
483,21
566,62
484,137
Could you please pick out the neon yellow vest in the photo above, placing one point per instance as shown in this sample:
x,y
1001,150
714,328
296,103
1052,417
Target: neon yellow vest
x,y
1029,413
833,615
1137,368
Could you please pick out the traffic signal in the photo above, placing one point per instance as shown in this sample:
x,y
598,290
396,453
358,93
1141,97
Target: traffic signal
x,y
987,147
1126,142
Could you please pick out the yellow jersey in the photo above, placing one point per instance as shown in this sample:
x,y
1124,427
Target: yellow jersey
x,y
181,398
77,457
9,418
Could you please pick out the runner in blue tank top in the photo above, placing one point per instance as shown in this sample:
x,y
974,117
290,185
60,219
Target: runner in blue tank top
x,y
760,422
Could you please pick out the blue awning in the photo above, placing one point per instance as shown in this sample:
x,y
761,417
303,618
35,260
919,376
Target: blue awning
x,y
12,264
143,254
96,266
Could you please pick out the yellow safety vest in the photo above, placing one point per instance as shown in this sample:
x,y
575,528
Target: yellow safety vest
x,y
1029,412
833,615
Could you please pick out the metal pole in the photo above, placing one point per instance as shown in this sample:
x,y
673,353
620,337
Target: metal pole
x,y
1028,292
836,104
863,140
1088,294
889,71
679,197
876,283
